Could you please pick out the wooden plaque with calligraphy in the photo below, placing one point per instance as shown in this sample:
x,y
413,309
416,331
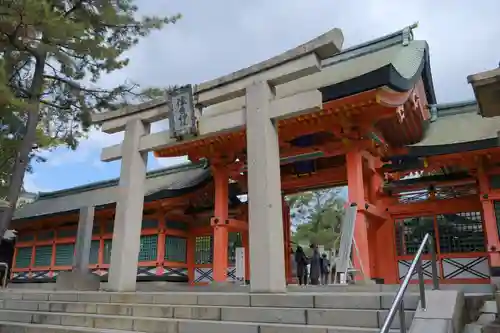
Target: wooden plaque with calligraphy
x,y
182,116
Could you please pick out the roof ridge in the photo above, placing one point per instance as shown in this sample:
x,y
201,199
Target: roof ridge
x,y
114,181
371,46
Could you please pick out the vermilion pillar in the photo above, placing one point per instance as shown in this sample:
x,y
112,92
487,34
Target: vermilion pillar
x,y
381,231
191,248
490,223
221,183
385,253
356,189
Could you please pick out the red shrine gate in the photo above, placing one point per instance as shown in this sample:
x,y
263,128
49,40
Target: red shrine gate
x,y
371,127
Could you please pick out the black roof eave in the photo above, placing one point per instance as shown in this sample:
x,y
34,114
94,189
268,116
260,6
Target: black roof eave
x,y
416,154
463,147
383,76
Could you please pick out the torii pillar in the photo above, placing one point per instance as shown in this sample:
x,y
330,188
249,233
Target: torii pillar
x,y
260,94
255,98
135,121
80,277
264,192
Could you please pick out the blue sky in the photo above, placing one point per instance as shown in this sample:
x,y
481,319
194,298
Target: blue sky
x,y
220,36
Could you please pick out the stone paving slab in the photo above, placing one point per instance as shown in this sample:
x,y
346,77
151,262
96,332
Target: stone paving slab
x,y
301,291
368,300
9,327
157,286
93,307
201,312
128,318
185,327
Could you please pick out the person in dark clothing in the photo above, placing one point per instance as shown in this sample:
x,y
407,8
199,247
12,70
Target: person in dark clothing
x,y
306,272
325,269
301,261
7,253
315,272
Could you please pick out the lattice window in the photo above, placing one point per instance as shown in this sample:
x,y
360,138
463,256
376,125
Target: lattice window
x,y
64,254
496,207
413,196
204,250
64,233
23,257
94,252
175,249
149,224
495,181
177,225
440,193
107,251
44,235
461,232
28,237
149,248
43,256
96,229
410,232
457,191
108,228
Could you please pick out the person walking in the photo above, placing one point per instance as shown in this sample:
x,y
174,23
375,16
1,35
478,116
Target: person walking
x,y
306,271
301,261
325,269
315,273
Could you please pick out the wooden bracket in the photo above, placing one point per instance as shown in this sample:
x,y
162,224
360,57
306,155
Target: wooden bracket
x,y
374,211
231,224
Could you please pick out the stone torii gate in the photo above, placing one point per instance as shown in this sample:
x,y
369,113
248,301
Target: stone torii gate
x,y
250,98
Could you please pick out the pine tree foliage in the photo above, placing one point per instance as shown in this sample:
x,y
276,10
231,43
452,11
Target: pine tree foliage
x,y
11,134
52,56
73,43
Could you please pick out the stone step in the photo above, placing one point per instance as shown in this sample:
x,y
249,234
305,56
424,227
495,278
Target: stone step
x,y
168,287
183,287
9,327
129,308
125,316
25,322
362,317
363,300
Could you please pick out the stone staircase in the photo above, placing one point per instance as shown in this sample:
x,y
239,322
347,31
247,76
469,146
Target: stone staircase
x,y
338,311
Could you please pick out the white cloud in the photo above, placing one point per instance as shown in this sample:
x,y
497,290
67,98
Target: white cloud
x,y
30,184
88,150
171,161
217,37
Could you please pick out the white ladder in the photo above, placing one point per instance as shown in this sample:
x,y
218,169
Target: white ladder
x,y
343,263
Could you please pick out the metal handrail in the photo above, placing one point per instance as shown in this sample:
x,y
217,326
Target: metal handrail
x,y
398,303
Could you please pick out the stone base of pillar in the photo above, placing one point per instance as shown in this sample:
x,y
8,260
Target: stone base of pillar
x,y
495,282
80,281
